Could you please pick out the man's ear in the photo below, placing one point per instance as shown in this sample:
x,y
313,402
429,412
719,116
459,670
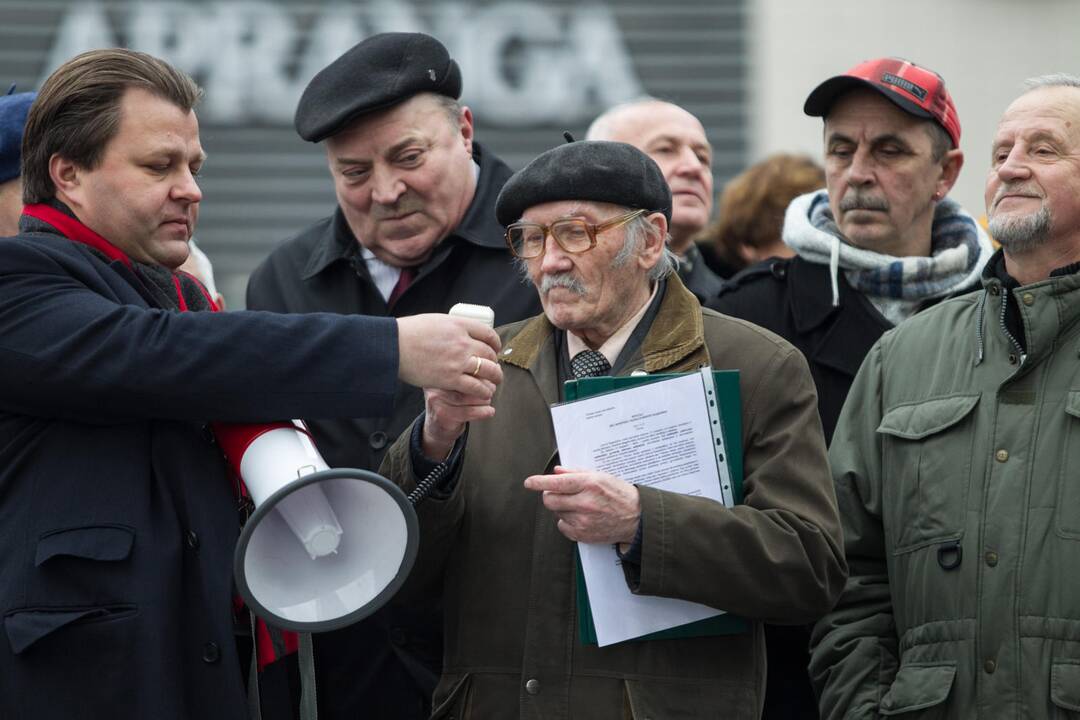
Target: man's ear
x,y
654,242
465,123
950,171
66,177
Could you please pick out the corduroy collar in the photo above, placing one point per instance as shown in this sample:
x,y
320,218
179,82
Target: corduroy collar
x,y
676,335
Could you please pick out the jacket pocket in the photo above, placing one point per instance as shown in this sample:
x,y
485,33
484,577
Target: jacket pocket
x,y
1068,502
670,700
1065,685
926,469
26,627
455,704
919,686
107,543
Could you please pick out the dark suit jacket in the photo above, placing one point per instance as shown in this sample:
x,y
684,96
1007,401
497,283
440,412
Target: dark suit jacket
x,y
117,517
386,666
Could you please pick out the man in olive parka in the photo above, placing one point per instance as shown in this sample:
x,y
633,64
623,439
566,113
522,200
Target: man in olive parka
x,y
955,462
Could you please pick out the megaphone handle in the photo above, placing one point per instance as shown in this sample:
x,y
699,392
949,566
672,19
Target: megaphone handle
x,y
309,707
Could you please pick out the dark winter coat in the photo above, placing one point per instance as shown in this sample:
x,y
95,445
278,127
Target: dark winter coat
x,y
792,297
117,517
387,665
512,647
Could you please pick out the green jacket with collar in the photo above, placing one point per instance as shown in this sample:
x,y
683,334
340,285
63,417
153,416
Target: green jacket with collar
x,y
511,644
957,469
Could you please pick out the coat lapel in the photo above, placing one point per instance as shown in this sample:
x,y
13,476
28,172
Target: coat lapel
x,y
846,336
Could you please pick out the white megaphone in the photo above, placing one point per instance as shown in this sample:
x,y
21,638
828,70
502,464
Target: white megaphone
x,y
323,548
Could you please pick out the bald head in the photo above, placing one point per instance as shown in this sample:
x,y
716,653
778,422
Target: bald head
x,y
676,140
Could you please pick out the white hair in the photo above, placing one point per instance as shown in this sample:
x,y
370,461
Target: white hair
x,y
1051,80
637,231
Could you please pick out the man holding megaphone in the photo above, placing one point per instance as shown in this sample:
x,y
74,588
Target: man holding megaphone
x,y
118,517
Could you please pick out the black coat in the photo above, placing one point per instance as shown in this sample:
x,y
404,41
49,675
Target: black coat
x,y
117,517
793,298
697,276
387,665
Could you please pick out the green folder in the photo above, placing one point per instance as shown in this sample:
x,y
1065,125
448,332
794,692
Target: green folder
x,y
727,389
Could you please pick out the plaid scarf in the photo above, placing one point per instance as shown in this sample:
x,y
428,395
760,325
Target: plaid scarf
x,y
897,286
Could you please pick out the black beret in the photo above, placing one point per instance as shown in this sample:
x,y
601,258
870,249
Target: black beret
x,y
381,71
599,171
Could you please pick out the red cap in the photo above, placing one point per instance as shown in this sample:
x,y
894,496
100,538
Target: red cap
x,y
913,89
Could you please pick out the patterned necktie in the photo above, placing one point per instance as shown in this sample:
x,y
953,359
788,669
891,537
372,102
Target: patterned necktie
x,y
589,363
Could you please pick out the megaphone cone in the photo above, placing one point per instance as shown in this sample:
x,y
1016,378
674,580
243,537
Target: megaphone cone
x,y
323,548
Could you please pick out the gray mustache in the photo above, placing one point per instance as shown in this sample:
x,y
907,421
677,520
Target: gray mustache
x,y
1019,188
562,280
863,202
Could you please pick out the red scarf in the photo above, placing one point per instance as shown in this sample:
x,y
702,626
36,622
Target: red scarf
x,y
74,230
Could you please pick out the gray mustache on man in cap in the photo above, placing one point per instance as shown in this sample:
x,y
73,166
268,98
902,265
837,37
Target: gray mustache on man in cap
x,y
862,201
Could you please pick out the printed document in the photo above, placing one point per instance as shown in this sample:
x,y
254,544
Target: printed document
x,y
657,434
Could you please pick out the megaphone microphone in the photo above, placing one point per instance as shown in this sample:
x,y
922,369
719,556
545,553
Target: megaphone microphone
x,y
324,547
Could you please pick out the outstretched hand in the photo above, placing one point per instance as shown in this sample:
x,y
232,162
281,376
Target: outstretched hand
x,y
590,507
448,353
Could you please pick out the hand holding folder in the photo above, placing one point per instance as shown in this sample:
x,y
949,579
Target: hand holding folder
x,y
651,437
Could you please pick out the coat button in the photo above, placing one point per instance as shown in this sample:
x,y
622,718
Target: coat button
x,y
1028,299
191,538
532,686
377,441
994,289
989,666
210,653
1001,455
991,558
1013,359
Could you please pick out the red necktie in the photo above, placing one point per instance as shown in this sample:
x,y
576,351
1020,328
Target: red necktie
x,y
404,280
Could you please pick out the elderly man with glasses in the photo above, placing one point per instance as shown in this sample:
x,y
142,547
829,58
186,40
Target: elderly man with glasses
x,y
587,222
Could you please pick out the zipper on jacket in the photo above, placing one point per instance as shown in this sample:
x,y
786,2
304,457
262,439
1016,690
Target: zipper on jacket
x,y
1005,295
979,327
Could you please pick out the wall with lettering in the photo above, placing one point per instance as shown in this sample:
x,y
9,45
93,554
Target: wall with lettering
x,y
530,69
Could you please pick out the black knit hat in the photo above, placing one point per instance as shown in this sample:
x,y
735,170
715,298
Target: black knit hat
x,y
379,72
600,171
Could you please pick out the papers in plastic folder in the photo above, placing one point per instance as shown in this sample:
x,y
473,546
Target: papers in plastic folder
x,y
662,435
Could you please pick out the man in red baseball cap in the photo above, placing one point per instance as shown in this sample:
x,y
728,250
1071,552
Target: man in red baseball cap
x,y
915,90
878,244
